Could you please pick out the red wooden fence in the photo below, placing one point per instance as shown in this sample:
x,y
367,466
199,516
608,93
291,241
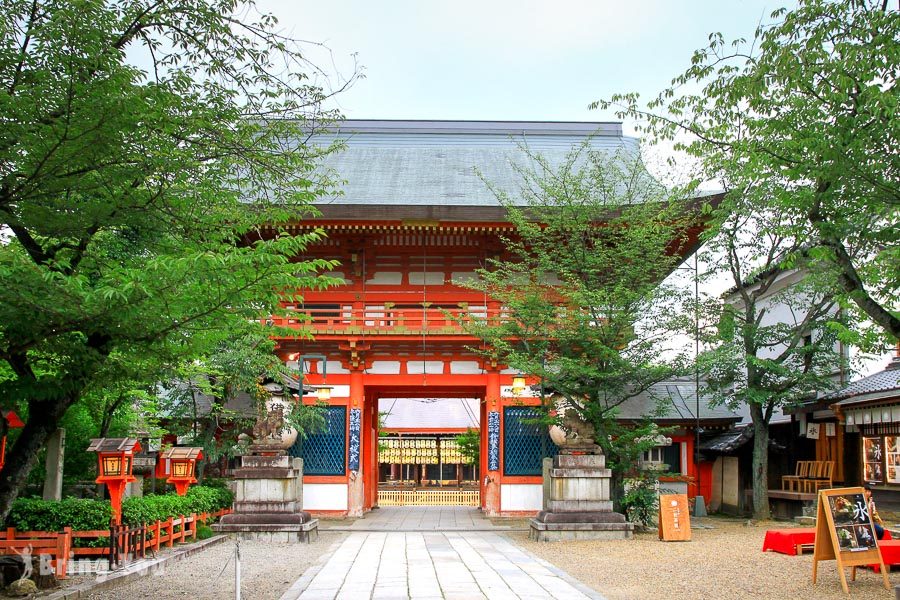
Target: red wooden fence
x,y
123,543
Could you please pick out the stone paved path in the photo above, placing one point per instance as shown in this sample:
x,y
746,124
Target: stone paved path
x,y
421,518
429,563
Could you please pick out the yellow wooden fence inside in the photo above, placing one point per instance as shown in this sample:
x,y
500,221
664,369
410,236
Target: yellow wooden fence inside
x,y
429,498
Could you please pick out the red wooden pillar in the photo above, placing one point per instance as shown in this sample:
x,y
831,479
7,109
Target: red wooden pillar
x,y
490,479
371,443
356,481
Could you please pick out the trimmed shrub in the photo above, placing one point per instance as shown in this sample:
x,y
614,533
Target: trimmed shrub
x,y
35,514
199,499
81,514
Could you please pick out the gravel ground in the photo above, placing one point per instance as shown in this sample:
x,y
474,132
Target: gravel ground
x,y
724,562
267,570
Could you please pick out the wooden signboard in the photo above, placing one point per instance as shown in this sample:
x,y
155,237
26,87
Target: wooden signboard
x,y
845,533
674,518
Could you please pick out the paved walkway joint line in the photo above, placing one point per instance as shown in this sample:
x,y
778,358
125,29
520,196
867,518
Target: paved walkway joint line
x,y
428,563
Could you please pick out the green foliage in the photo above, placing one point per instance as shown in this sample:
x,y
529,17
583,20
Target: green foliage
x,y
799,127
469,444
81,514
581,284
641,501
148,509
145,210
205,532
802,121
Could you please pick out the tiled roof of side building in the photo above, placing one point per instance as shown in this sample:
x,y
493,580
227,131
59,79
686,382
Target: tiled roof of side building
x,y
882,384
675,400
446,163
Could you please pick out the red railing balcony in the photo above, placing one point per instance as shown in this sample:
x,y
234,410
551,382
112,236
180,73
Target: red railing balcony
x,y
387,318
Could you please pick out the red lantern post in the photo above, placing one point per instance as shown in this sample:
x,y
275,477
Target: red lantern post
x,y
12,422
115,463
180,464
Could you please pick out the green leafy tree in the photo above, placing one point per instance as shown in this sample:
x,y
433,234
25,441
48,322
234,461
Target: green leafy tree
x,y
804,119
469,444
142,209
774,347
581,289
214,398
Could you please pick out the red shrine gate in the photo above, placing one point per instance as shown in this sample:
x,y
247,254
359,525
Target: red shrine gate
x,y
391,332
416,221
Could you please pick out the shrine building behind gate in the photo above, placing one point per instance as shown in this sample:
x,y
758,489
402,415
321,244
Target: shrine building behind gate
x,y
414,221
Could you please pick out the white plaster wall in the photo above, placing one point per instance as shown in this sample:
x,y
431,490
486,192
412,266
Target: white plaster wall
x,y
384,367
730,482
335,366
324,496
673,487
337,391
465,367
521,496
427,278
432,367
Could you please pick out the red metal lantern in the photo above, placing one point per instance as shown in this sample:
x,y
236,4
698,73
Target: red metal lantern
x,y
180,464
12,422
114,456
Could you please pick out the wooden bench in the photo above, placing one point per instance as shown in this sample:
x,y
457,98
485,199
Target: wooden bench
x,y
801,472
809,476
820,475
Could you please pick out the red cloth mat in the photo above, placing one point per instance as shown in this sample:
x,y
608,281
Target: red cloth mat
x,y
787,540
890,552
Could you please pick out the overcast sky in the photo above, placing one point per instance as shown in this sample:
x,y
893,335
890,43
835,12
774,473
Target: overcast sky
x,y
505,60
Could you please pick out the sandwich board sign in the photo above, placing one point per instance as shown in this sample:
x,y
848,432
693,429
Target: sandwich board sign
x,y
674,518
845,533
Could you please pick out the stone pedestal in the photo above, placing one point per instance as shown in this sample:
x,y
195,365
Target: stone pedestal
x,y
577,504
268,501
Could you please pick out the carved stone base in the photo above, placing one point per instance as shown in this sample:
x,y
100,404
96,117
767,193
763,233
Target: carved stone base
x,y
268,501
576,502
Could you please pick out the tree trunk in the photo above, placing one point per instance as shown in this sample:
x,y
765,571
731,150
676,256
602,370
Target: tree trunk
x,y
43,420
760,464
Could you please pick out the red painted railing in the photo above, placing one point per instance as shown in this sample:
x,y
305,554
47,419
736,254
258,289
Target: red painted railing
x,y
390,319
62,546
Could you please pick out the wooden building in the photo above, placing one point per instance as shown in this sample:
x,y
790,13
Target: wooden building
x,y
415,219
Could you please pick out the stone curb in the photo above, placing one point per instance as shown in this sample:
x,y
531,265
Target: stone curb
x,y
136,570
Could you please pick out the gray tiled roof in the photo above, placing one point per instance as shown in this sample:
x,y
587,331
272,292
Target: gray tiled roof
x,y
729,441
677,401
882,384
434,162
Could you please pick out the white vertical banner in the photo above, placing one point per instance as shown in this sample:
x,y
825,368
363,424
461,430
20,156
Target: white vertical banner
x,y
830,429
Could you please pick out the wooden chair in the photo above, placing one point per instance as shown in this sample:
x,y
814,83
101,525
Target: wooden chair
x,y
821,475
801,472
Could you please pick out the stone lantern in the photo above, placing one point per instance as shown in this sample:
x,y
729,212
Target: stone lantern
x,y
115,457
